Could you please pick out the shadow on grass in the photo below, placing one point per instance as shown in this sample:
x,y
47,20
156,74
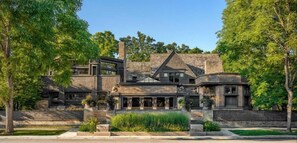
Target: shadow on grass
x,y
33,132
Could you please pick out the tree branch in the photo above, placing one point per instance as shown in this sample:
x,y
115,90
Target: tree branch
x,y
279,17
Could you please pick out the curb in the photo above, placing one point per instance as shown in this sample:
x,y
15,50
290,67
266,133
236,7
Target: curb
x,y
154,137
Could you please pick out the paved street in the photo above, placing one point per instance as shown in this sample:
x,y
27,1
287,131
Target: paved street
x,y
140,141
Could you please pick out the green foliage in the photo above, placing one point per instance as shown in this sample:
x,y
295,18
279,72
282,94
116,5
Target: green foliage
x,y
89,101
150,122
139,48
211,126
35,36
254,42
89,126
106,43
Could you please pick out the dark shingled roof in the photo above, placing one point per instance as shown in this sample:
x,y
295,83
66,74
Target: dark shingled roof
x,y
196,62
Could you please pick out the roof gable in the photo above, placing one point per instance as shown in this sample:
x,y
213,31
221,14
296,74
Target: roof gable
x,y
173,61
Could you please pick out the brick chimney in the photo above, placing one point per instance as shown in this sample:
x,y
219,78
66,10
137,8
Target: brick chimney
x,y
122,51
122,56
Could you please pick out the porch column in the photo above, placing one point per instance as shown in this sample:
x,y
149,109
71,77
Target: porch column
x,y
141,103
167,105
154,103
129,100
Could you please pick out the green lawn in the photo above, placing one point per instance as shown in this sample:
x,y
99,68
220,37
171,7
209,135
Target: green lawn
x,y
38,130
261,132
35,132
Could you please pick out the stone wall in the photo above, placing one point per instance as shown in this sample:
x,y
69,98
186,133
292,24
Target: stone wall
x,y
246,118
105,83
44,117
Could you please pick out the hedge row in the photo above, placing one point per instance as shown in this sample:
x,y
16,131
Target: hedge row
x,y
150,122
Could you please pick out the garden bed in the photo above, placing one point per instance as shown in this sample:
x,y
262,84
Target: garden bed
x,y
150,122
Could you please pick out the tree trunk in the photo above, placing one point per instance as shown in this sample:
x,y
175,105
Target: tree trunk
x,y
289,110
9,102
9,106
289,91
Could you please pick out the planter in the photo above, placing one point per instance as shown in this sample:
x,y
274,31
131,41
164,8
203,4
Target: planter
x,y
79,133
102,128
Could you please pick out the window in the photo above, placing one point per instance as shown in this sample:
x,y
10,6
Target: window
x,y
135,102
78,71
108,68
181,74
148,102
94,70
231,101
230,90
134,78
165,74
175,77
161,102
192,81
106,72
125,102
194,100
171,102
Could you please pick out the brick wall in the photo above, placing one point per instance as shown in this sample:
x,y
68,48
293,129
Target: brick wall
x,y
44,117
246,118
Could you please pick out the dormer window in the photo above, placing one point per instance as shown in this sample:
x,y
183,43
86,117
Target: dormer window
x,y
175,77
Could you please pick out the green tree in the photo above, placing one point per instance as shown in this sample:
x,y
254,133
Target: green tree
x,y
258,40
106,43
195,50
139,48
38,35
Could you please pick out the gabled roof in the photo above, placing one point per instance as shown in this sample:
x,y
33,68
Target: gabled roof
x,y
175,62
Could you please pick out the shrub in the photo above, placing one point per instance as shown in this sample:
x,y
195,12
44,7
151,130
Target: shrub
x,y
211,126
150,122
89,126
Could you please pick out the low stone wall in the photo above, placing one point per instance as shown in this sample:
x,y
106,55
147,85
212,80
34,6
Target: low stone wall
x,y
44,117
246,118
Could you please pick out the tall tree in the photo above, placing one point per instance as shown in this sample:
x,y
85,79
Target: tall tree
x,y
258,39
38,35
106,43
195,50
139,48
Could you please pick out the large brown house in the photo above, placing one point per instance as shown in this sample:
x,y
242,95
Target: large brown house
x,y
158,84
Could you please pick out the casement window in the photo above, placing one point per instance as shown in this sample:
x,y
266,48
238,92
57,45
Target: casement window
x,y
174,76
230,90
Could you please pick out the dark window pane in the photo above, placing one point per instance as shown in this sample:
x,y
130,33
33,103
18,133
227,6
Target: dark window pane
x,y
125,102
160,102
135,102
148,102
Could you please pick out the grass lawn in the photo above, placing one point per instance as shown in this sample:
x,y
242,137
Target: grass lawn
x,y
38,130
35,132
261,132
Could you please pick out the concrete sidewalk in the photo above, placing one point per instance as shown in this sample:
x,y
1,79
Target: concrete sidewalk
x,y
72,134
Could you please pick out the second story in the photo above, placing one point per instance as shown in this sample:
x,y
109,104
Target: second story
x,y
173,67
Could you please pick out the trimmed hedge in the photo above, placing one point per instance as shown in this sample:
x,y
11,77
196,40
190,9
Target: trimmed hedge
x,y
150,122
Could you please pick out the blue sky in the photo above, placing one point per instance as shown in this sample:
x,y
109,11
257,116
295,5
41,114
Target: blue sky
x,y
192,22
